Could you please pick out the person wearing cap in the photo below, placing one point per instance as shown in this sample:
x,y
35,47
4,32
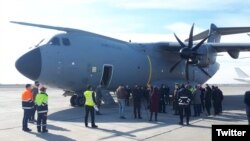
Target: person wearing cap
x,y
34,92
89,100
27,105
184,101
42,109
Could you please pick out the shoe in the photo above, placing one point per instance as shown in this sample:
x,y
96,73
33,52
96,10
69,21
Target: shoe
x,y
86,126
94,126
188,124
38,129
122,117
45,130
27,130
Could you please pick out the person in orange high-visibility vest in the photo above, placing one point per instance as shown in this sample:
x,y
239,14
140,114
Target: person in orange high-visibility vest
x,y
27,104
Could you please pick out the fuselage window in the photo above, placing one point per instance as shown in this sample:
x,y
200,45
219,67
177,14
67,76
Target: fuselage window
x,y
66,41
55,41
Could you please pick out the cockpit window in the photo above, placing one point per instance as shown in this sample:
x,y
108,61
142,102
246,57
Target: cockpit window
x,y
66,41
54,41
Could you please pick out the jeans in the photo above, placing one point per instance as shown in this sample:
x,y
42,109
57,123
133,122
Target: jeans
x,y
89,109
121,103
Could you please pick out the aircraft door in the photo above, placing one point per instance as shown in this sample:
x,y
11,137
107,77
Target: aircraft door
x,y
106,75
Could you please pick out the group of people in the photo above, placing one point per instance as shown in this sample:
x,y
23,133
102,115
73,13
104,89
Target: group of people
x,y
201,98
32,101
183,98
150,97
153,98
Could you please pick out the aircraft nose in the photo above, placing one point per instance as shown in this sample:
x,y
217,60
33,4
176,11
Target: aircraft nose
x,y
30,64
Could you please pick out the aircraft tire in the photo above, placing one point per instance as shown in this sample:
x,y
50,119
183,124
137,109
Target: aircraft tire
x,y
73,100
80,101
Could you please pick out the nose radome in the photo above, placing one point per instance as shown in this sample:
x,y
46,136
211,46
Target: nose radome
x,y
30,64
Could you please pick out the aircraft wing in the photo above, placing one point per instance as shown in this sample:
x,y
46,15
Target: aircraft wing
x,y
219,47
225,47
47,26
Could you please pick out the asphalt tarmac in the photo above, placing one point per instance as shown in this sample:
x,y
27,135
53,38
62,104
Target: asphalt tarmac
x,y
65,123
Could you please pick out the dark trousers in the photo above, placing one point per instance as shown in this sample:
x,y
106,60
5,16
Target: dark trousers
x,y
202,106
89,109
137,109
220,107
176,107
26,117
208,107
32,117
162,107
151,115
197,109
41,121
127,101
187,111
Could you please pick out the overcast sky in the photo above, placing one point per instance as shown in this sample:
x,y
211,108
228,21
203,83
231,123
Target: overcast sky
x,y
136,20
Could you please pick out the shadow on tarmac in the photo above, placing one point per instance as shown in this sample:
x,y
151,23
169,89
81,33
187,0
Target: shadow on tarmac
x,y
49,136
76,114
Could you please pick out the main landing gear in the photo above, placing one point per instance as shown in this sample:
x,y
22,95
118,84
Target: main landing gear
x,y
76,98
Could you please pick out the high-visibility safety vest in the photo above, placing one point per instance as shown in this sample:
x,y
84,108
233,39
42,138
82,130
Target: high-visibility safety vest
x,y
42,102
89,98
27,99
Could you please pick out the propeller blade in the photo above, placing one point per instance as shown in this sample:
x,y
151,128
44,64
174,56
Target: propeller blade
x,y
180,42
175,65
190,41
200,43
187,71
204,71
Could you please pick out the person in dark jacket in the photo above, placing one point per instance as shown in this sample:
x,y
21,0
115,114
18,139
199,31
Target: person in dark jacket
x,y
217,98
137,98
154,103
162,105
221,97
128,95
207,98
247,102
98,98
184,100
175,99
35,91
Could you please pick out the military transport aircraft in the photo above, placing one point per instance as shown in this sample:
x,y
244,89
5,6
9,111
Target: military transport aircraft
x,y
75,58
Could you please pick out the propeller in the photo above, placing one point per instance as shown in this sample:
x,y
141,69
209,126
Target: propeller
x,y
189,54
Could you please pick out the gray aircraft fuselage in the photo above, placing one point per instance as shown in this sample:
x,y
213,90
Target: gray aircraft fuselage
x,y
77,58
89,59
